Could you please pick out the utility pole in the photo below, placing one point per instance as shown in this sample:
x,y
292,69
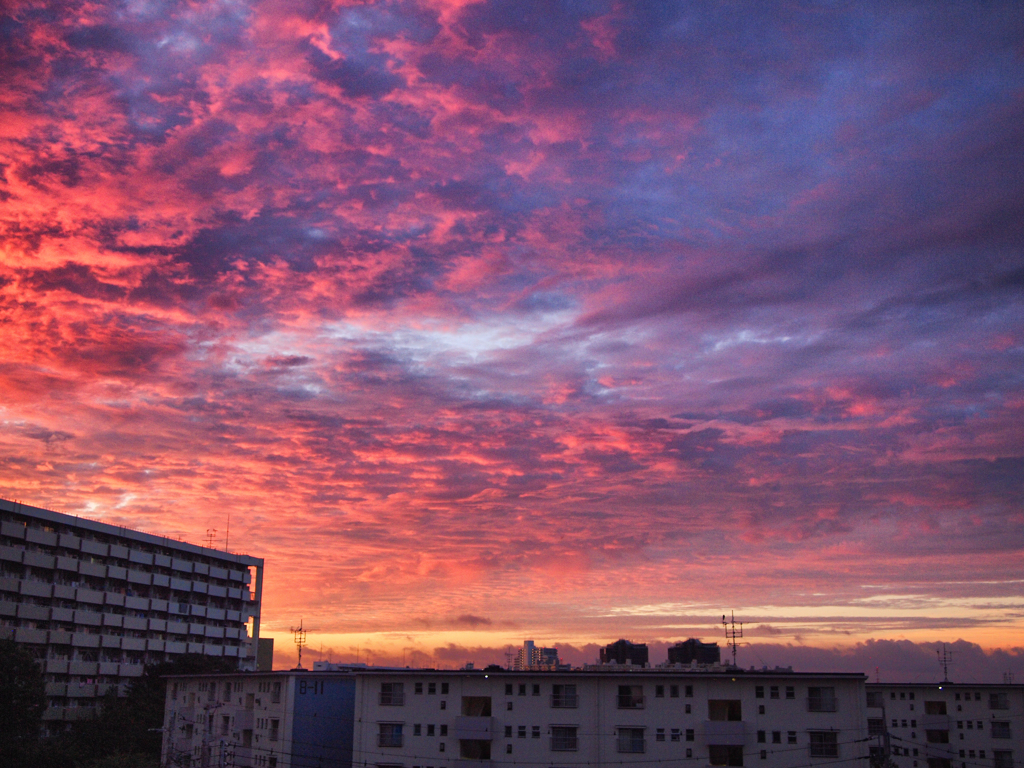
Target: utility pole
x,y
731,633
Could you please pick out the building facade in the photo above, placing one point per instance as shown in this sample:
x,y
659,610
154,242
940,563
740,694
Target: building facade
x,y
947,725
694,651
774,719
532,657
95,603
625,652
295,719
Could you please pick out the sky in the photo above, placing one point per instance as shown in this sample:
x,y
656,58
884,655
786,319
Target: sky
x,y
568,321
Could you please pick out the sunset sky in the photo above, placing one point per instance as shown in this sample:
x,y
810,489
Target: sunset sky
x,y
556,320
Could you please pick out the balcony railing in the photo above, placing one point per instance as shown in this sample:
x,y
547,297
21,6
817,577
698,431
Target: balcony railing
x,y
565,743
565,700
389,740
631,744
392,698
631,702
821,704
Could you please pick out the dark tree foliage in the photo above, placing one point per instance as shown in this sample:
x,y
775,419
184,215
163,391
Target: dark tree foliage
x,y
22,701
128,730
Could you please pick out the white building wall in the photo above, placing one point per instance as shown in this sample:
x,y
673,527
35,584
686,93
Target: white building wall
x,y
521,724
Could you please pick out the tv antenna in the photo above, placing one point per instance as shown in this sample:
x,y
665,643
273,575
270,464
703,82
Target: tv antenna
x,y
300,640
509,653
731,633
945,660
211,535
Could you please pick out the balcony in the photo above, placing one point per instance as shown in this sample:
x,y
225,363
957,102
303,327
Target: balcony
x,y
565,701
476,728
630,701
729,733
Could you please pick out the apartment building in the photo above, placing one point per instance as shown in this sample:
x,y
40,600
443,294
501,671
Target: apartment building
x,y
95,603
947,725
295,719
720,717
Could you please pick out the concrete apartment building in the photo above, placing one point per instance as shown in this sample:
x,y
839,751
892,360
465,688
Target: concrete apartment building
x,y
296,719
477,718
947,725
95,603
719,717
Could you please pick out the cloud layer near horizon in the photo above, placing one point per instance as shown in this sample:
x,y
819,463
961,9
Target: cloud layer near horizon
x,y
597,317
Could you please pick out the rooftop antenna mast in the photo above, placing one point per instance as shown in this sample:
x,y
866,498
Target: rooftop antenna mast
x,y
211,535
300,640
509,653
731,633
945,659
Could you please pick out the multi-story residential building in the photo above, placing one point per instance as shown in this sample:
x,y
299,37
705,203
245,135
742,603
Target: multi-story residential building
x,y
295,719
625,652
693,650
532,657
96,602
725,717
947,725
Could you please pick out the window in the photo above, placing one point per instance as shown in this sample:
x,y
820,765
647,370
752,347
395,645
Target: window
x,y
773,692
659,691
824,744
225,725
875,699
392,694
389,735
508,706
689,752
564,696
689,691
876,726
275,693
536,689
440,746
760,709
821,699
521,732
673,691
688,709
936,737
417,730
1002,758
790,692
911,696
508,689
431,688
444,730
762,737
444,688
563,738
659,734
535,732
776,737
723,755
418,688
508,731
274,729
444,704
764,754
791,737
758,691
631,740
508,749
430,729
522,689
998,701
1000,729
956,696
689,734
935,707
724,709
939,762
631,697
674,735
